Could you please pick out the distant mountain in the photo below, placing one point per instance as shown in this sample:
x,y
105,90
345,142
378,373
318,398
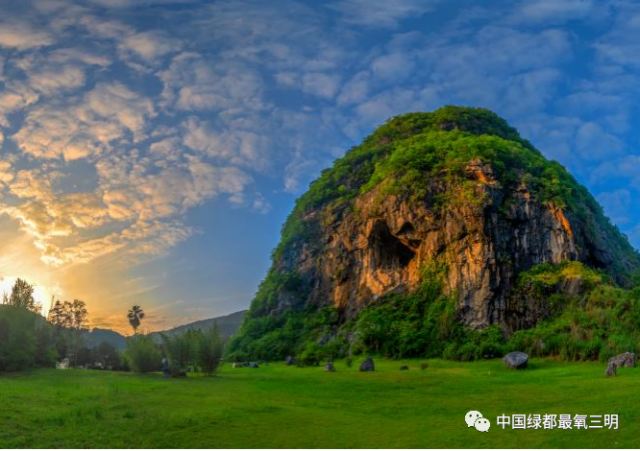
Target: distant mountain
x,y
97,336
228,324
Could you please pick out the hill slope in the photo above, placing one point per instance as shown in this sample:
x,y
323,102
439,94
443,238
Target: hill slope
x,y
435,214
228,324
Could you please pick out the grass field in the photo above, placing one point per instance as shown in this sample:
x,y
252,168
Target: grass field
x,y
277,406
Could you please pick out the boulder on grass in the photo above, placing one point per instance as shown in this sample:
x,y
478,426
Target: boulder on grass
x,y
516,360
329,367
368,365
611,369
624,360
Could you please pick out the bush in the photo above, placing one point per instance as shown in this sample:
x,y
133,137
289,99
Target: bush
x,y
209,350
142,354
180,350
311,355
25,340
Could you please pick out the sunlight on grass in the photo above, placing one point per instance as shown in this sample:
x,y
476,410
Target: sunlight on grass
x,y
278,406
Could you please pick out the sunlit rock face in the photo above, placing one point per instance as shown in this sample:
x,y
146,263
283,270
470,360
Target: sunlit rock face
x,y
482,216
359,257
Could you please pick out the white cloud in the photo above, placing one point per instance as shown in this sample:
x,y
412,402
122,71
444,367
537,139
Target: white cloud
x,y
148,45
593,142
393,67
87,126
235,146
22,36
321,85
61,78
6,172
616,204
554,12
193,84
15,97
380,13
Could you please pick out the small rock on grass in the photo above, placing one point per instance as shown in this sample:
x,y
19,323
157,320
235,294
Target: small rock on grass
x,y
368,365
516,360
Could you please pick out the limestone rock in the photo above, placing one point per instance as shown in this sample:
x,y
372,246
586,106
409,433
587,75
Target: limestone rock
x,y
516,360
624,360
368,365
351,240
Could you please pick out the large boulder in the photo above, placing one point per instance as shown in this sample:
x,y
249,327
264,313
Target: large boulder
x,y
368,365
625,360
516,360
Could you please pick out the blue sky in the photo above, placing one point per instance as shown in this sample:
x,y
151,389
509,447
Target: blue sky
x,y
151,150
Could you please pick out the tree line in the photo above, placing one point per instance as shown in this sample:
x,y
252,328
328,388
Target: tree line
x,y
29,340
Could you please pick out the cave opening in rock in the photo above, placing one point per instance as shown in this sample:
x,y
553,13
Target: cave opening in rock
x,y
389,251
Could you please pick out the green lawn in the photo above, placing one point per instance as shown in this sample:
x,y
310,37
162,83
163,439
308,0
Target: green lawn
x,y
277,406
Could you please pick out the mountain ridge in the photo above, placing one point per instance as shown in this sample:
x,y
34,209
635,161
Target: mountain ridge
x,y
228,324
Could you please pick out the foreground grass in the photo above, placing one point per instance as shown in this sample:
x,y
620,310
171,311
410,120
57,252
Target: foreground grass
x,y
277,406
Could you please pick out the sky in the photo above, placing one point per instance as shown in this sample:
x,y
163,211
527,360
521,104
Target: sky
x,y
150,150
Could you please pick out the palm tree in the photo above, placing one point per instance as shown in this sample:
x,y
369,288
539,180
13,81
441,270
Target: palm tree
x,y
135,316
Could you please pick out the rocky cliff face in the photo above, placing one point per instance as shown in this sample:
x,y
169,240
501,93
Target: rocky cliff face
x,y
457,189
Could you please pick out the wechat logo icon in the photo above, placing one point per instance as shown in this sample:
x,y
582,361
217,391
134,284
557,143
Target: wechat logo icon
x,y
475,419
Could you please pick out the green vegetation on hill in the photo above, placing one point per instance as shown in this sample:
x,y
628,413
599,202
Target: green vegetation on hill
x,y
286,407
598,323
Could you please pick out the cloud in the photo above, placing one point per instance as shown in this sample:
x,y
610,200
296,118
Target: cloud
x,y
6,172
22,36
15,97
616,205
554,12
87,125
380,13
321,85
193,84
148,45
594,142
239,147
52,80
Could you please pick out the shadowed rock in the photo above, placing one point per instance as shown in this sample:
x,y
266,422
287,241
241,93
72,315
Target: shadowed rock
x,y
625,360
368,365
516,360
611,369
329,367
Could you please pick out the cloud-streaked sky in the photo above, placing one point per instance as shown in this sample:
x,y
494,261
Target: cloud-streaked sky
x,y
150,150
